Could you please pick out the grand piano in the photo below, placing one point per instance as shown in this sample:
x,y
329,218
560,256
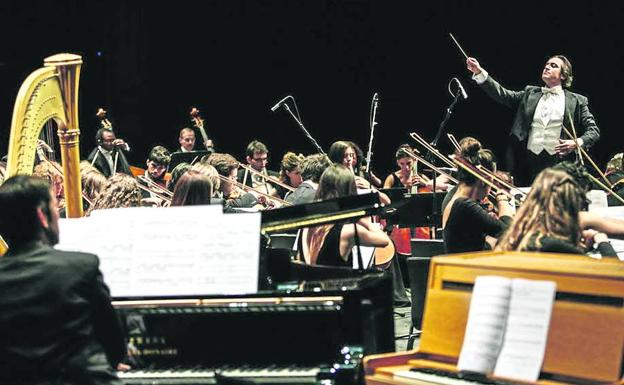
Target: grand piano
x,y
302,334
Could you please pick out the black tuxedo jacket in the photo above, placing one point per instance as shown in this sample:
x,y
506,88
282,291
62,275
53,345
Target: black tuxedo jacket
x,y
102,165
55,315
525,103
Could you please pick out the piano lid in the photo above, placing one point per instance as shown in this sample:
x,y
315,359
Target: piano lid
x,y
318,213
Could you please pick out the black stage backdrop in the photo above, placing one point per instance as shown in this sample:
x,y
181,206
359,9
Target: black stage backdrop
x,y
149,62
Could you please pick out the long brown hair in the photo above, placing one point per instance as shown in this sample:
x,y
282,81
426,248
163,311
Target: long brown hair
x,y
551,209
193,188
337,181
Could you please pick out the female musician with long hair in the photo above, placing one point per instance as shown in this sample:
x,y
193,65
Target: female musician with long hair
x,y
332,244
193,188
120,190
290,172
550,220
466,224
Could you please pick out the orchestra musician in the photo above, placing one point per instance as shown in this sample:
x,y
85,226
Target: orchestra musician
x,y
108,156
541,112
290,172
466,224
157,162
312,168
349,155
177,173
57,324
51,174
193,188
615,174
549,219
227,166
332,244
186,140
92,182
465,144
120,190
257,157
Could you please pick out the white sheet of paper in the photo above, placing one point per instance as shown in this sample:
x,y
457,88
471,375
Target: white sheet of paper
x,y
147,252
522,354
489,307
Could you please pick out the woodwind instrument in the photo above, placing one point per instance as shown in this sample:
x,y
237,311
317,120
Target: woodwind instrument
x,y
267,177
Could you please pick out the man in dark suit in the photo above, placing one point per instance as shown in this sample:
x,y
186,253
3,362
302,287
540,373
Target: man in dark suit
x,y
108,156
538,136
57,324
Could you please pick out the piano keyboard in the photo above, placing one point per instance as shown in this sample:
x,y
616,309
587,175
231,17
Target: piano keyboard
x,y
270,374
424,376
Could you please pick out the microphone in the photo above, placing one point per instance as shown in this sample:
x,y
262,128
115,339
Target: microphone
x,y
461,89
279,104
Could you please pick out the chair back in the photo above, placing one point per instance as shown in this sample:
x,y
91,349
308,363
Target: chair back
x,y
418,271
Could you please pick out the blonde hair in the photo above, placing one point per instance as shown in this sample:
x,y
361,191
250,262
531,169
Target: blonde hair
x,y
551,210
290,162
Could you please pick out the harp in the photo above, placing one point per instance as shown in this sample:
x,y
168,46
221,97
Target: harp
x,y
49,93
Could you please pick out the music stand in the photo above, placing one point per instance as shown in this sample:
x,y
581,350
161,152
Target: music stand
x,y
186,157
415,210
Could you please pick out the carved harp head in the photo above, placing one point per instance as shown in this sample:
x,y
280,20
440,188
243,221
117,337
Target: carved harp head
x,y
49,93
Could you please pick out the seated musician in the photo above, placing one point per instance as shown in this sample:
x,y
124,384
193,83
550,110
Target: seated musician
x,y
120,190
92,182
615,175
157,162
349,155
290,172
49,172
108,156
257,157
466,224
312,168
332,244
57,324
193,188
177,173
549,220
227,167
407,176
465,144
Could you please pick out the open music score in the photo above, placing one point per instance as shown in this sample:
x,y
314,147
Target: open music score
x,y
585,339
174,251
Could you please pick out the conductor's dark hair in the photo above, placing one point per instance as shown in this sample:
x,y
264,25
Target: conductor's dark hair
x,y
99,135
20,197
566,71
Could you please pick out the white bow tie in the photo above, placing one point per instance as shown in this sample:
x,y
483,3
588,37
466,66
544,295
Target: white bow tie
x,y
552,91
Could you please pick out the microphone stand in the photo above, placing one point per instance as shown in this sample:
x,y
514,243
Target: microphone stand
x,y
430,157
320,150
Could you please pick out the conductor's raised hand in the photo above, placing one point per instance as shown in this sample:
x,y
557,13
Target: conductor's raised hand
x,y
473,66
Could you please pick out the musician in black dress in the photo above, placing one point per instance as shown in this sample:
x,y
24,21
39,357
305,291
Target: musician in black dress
x,y
466,224
550,221
57,323
332,244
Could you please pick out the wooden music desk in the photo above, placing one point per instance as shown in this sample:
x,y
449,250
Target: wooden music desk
x,y
586,336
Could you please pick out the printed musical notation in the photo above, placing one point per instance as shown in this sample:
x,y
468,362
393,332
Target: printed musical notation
x,y
175,251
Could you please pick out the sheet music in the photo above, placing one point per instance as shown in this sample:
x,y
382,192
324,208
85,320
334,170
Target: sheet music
x,y
194,250
524,344
489,307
